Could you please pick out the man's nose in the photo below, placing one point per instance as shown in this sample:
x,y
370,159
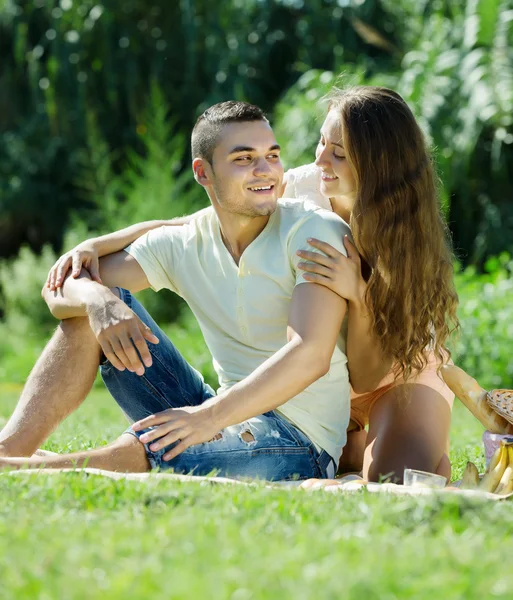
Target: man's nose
x,y
262,167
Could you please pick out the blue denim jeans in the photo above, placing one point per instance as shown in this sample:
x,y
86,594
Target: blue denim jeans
x,y
266,447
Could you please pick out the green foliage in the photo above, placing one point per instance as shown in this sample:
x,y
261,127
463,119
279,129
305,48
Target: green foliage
x,y
458,74
26,322
153,184
484,345
69,67
100,101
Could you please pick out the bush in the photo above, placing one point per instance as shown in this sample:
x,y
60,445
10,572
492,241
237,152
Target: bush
x,y
26,321
483,347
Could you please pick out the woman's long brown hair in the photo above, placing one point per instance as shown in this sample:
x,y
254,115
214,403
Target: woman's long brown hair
x,y
398,227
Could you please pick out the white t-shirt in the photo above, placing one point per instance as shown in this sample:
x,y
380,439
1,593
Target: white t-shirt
x,y
243,310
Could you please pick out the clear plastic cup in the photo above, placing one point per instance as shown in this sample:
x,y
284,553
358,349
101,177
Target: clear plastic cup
x,y
415,478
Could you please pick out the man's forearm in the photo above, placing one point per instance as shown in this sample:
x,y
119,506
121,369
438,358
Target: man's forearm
x,y
281,377
366,363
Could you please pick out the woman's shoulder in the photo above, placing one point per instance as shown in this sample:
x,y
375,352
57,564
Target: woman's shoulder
x,y
303,183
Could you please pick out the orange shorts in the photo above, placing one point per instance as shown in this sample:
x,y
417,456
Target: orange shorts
x,y
361,404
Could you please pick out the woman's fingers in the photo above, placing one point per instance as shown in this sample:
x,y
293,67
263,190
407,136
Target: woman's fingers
x,y
50,274
53,274
76,264
315,257
94,270
315,268
61,272
324,247
320,279
352,252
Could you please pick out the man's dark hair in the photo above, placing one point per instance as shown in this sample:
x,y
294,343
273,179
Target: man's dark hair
x,y
206,131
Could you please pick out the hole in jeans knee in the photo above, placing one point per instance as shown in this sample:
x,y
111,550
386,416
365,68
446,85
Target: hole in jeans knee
x,y
247,436
216,438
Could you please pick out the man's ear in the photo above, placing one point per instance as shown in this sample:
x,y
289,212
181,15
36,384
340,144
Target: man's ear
x,y
202,171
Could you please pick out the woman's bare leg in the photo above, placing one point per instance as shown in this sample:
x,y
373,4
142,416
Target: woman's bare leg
x,y
351,460
408,428
126,454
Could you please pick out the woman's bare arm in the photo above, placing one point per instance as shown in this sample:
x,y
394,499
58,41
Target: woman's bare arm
x,y
365,360
87,254
118,240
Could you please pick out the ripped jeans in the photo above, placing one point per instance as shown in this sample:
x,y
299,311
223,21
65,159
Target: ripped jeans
x,y
266,447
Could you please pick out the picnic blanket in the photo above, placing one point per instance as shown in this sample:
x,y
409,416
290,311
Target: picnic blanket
x,y
346,485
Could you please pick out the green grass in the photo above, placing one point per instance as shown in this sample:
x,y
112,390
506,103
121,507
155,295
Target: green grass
x,y
74,536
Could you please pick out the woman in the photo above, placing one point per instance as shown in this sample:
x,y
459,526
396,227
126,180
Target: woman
x,y
372,168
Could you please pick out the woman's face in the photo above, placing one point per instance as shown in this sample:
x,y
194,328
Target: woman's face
x,y
337,178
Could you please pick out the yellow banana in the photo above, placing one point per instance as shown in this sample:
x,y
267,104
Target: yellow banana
x,y
506,483
492,477
494,461
470,479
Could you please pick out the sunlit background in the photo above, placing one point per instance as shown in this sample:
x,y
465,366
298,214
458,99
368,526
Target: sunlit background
x,y
97,102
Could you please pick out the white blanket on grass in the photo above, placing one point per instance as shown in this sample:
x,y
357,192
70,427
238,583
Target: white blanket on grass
x,y
346,485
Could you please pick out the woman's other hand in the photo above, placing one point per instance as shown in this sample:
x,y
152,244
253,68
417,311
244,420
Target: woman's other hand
x,y
341,274
85,255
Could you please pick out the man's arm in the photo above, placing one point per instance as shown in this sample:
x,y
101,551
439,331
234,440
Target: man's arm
x,y
315,319
118,329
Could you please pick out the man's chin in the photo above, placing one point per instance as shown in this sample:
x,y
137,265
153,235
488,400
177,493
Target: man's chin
x,y
265,209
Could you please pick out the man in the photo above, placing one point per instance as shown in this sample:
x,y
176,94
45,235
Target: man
x,y
283,405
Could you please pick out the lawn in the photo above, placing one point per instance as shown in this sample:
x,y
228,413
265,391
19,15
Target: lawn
x,y
73,536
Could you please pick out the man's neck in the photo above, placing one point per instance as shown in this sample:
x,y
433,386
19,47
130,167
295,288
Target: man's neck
x,y
239,231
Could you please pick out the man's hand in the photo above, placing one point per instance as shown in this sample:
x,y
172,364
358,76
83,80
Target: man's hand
x,y
120,332
188,426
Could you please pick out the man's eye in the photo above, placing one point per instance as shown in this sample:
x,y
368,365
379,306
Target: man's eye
x,y
243,159
274,156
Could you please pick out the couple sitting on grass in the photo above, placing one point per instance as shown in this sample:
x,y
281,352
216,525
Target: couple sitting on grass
x,y
311,343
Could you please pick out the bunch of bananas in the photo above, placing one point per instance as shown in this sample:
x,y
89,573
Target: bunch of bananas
x,y
498,478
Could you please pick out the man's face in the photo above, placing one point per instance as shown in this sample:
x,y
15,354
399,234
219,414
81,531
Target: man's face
x,y
247,172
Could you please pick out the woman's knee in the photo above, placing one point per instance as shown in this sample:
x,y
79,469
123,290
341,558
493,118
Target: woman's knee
x,y
408,428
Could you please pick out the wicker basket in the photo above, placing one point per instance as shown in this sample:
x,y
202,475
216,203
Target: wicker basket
x,y
502,403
